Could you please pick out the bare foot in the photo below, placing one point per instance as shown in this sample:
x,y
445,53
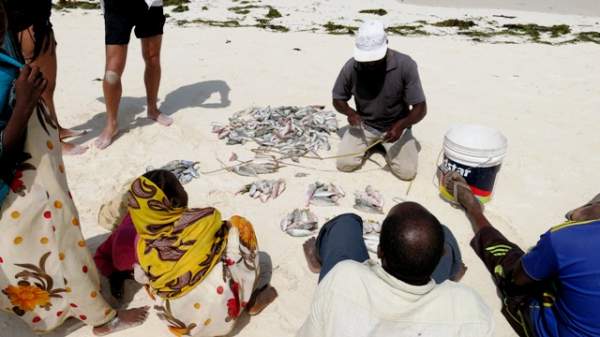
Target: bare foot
x,y
262,299
465,196
310,252
461,272
69,133
106,137
160,118
126,319
589,211
72,149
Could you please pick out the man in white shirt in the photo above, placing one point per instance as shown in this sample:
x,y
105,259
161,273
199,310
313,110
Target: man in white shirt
x,y
396,297
147,20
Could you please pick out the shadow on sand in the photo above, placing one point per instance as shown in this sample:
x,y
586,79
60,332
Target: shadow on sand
x,y
132,109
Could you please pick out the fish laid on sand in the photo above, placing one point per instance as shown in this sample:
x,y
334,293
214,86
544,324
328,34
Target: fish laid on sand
x,y
370,200
371,230
264,189
184,170
300,222
259,165
321,194
292,131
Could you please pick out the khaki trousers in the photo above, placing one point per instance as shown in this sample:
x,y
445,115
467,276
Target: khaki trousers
x,y
402,156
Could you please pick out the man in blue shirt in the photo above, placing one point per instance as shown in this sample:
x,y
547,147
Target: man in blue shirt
x,y
554,289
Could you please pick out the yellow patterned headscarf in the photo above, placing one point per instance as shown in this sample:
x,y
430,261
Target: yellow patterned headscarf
x,y
178,247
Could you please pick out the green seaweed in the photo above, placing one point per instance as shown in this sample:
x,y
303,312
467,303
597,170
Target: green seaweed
x,y
273,13
379,11
242,10
277,28
589,37
76,4
337,29
534,30
461,24
217,23
406,30
174,2
181,8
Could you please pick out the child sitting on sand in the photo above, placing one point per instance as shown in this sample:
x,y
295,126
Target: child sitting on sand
x,y
188,258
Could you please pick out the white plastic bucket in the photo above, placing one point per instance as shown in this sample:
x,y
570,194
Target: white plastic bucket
x,y
476,152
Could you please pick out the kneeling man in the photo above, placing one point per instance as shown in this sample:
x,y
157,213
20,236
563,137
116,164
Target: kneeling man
x,y
389,100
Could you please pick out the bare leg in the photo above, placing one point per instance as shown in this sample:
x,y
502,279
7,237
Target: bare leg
x,y
310,252
48,65
116,55
151,53
127,318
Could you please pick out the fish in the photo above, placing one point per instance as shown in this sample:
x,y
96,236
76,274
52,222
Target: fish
x,y
184,170
299,223
293,131
370,200
321,194
255,167
371,233
264,189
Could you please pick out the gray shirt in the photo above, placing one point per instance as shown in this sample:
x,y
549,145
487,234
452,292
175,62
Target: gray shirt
x,y
401,89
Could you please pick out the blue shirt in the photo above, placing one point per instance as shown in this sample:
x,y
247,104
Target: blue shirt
x,y
568,254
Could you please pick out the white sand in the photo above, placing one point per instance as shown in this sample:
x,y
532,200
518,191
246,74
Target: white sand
x,y
545,99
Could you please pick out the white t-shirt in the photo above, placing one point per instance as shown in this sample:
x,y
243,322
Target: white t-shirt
x,y
362,300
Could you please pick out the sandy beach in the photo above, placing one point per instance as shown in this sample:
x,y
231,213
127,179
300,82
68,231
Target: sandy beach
x,y
544,98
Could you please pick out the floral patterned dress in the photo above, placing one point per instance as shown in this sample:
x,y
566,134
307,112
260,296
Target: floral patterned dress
x,y
46,271
212,307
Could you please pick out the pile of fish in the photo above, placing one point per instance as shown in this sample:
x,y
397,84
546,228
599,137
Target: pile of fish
x,y
323,194
300,222
264,189
371,230
292,131
184,170
369,201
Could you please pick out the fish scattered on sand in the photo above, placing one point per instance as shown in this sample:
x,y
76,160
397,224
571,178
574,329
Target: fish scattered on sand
x,y
370,200
300,222
184,170
321,194
264,189
292,131
259,165
371,230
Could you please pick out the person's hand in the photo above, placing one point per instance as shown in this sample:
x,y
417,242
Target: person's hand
x,y
354,119
29,87
393,134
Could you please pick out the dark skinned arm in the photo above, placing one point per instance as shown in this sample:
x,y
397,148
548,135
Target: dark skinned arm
x,y
342,107
28,89
479,221
415,115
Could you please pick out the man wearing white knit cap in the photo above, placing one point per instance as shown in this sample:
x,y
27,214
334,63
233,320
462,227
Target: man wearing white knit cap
x,y
389,100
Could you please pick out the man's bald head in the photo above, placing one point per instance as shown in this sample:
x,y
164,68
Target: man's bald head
x,y
411,243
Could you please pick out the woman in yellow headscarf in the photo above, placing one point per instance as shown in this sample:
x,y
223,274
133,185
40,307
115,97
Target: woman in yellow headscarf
x,y
201,270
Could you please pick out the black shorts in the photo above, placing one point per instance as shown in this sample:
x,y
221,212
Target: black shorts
x,y
121,16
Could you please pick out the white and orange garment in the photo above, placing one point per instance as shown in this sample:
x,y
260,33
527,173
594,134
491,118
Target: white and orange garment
x,y
46,271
